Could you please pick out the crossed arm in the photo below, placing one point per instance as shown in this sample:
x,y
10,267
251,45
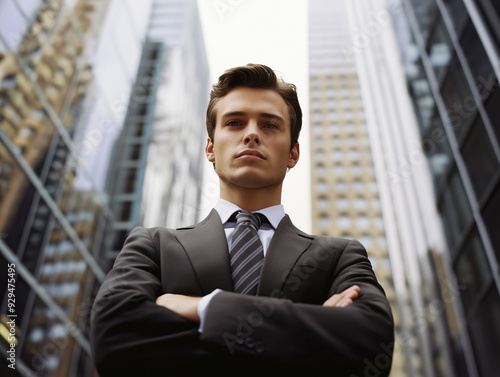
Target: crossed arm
x,y
187,306
131,326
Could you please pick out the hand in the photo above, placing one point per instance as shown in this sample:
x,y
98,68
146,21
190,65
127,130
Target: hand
x,y
185,306
343,299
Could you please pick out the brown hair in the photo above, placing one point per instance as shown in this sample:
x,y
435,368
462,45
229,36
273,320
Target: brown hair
x,y
260,77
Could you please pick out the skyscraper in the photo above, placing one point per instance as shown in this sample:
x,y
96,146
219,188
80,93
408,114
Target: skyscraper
x,y
158,162
362,124
451,56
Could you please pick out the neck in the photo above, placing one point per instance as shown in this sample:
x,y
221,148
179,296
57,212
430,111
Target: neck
x,y
251,199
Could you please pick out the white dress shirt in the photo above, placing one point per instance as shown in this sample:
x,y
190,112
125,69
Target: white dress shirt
x,y
225,210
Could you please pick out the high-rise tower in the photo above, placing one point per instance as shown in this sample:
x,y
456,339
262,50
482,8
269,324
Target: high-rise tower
x,y
361,123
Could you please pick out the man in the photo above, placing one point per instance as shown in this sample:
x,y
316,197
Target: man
x,y
232,297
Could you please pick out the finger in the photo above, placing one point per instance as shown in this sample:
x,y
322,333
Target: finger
x,y
333,301
337,300
349,298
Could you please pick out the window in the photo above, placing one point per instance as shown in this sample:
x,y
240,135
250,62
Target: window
x,y
339,169
334,129
492,219
316,104
485,332
363,222
337,155
344,222
321,186
340,186
472,269
322,203
478,60
493,110
360,203
320,169
458,14
455,210
316,116
366,240
440,48
357,185
490,10
336,142
479,157
425,12
350,128
342,203
438,151
458,99
352,140
324,222
354,154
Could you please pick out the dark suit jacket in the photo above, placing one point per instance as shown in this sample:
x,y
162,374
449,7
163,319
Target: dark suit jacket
x,y
284,328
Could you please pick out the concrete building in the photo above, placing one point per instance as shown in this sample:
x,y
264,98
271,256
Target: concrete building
x,y
362,127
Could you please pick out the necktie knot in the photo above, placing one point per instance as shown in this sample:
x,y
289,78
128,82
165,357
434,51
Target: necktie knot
x,y
253,220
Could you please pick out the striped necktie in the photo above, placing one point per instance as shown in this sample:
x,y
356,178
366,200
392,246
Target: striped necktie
x,y
247,254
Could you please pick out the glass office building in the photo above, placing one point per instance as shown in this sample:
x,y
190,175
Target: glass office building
x,y
158,159
451,55
75,82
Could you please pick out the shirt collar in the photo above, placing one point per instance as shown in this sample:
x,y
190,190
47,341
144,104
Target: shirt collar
x,y
274,214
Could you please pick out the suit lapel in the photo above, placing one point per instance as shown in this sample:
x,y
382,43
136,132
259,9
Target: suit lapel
x,y
206,246
286,247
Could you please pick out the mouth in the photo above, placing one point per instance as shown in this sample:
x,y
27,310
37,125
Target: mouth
x,y
251,154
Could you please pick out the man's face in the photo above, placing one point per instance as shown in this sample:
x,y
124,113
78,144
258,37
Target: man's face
x,y
251,146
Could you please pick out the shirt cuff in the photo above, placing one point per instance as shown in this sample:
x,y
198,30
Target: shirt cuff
x,y
203,307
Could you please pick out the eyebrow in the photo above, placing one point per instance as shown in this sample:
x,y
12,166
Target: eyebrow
x,y
263,115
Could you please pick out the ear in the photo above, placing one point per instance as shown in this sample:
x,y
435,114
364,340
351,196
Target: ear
x,y
294,156
209,150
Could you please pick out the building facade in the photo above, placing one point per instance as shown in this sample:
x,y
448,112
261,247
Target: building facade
x,y
369,179
80,131
451,55
158,161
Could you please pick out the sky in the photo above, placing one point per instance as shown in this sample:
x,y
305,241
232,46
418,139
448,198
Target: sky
x,y
271,32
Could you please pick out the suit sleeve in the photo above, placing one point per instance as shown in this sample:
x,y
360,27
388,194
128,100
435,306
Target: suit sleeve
x,y
356,337
128,329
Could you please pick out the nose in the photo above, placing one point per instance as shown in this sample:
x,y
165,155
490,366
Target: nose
x,y
252,136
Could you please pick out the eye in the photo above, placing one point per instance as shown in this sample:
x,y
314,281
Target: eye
x,y
233,123
271,125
